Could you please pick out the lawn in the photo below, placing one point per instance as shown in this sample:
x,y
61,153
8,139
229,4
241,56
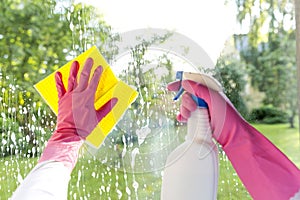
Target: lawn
x,y
96,179
285,138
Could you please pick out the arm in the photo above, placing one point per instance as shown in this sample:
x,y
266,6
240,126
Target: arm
x,y
265,171
76,118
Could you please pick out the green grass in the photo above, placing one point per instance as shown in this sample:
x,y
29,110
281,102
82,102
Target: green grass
x,y
285,138
96,179
12,171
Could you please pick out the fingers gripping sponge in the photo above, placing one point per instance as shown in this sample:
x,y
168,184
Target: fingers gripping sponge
x,y
109,87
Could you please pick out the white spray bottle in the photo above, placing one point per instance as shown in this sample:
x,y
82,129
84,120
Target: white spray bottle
x,y
191,171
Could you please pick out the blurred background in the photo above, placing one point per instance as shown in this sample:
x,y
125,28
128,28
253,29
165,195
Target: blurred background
x,y
251,42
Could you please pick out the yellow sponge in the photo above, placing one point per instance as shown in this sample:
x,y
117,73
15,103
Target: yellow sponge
x,y
109,86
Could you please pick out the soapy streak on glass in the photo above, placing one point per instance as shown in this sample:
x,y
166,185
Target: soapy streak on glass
x,y
130,163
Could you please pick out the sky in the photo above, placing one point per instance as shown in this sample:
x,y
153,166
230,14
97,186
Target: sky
x,y
208,22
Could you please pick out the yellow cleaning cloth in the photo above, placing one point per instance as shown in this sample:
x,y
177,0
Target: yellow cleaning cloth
x,y
109,86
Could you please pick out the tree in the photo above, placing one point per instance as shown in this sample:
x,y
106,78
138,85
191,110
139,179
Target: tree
x,y
266,18
147,75
36,38
232,71
297,11
33,39
270,55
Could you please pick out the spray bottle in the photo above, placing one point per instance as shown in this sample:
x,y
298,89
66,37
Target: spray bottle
x,y
191,170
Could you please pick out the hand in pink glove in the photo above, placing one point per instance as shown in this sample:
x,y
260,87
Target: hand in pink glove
x,y
265,171
77,116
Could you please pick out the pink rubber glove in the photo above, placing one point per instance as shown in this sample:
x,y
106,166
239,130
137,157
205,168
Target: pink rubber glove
x,y
77,116
265,171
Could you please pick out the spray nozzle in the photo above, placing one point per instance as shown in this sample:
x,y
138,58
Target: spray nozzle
x,y
200,102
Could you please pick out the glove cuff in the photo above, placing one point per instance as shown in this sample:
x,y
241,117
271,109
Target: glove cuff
x,y
65,150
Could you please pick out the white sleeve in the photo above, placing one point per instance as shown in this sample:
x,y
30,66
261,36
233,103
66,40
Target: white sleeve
x,y
47,180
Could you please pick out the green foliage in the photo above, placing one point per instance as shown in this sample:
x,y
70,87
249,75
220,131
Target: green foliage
x,y
36,38
33,40
268,115
273,71
86,28
24,123
275,16
143,73
233,78
270,56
